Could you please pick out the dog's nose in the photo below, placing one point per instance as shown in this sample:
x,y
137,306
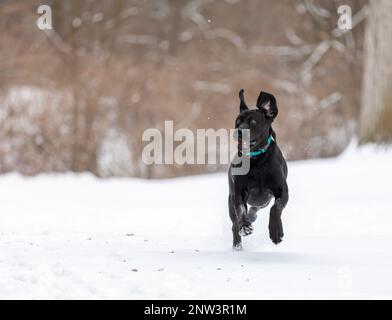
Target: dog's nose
x,y
242,130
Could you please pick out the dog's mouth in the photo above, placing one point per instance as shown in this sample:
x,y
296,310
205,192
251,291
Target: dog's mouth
x,y
246,144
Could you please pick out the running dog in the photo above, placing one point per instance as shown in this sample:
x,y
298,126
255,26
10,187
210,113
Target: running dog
x,y
267,175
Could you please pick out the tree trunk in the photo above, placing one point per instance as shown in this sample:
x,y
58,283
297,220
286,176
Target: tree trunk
x,y
376,113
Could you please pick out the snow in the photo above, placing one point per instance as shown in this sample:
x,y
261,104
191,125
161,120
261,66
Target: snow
x,y
76,236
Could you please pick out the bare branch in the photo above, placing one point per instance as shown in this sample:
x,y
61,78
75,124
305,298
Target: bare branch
x,y
230,36
314,59
57,41
212,86
330,100
192,11
284,50
137,39
357,19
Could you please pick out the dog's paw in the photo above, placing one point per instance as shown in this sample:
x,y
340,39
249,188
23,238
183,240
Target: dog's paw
x,y
252,216
237,247
246,230
276,231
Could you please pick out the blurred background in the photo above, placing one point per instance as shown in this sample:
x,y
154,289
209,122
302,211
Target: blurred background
x,y
78,98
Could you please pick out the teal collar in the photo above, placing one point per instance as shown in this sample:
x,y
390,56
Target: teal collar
x,y
263,150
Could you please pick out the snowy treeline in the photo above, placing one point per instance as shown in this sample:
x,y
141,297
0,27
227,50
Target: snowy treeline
x,y
79,97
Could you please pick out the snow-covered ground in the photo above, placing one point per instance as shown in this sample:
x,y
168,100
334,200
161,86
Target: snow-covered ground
x,y
68,236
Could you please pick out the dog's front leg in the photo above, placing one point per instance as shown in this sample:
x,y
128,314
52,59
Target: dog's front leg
x,y
237,210
275,225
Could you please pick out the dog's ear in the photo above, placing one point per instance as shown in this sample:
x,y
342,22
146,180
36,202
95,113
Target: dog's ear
x,y
243,105
266,102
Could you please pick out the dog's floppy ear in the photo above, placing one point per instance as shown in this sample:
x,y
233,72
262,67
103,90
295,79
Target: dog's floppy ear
x,y
243,105
266,102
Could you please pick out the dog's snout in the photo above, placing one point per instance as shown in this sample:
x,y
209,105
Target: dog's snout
x,y
243,126
237,134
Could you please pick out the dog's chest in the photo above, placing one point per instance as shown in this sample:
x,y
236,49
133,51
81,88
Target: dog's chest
x,y
259,195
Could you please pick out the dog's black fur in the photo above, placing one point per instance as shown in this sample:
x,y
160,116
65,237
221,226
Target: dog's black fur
x,y
266,177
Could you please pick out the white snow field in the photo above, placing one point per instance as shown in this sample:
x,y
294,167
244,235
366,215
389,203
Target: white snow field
x,y
76,236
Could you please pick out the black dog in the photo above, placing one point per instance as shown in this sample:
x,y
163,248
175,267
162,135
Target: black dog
x,y
267,174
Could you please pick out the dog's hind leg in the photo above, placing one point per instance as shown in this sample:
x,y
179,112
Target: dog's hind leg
x,y
235,219
275,222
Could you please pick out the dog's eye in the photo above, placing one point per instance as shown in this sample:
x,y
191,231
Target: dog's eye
x,y
253,123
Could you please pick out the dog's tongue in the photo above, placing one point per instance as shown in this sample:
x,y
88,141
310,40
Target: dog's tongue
x,y
246,145
251,143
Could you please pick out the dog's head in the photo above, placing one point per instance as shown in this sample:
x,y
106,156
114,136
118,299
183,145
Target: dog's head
x,y
259,120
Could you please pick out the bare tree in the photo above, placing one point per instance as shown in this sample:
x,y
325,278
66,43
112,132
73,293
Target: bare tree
x,y
115,68
376,114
